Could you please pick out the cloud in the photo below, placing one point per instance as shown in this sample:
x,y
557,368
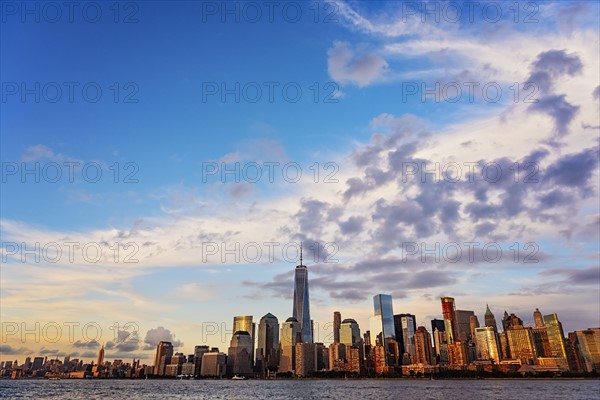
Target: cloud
x,y
92,344
345,66
574,170
51,352
156,335
7,349
195,291
37,152
550,66
125,342
352,225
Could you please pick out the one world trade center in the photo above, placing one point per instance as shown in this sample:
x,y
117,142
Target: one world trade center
x,y
301,303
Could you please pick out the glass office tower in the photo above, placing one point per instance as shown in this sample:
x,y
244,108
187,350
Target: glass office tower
x,y
382,322
301,309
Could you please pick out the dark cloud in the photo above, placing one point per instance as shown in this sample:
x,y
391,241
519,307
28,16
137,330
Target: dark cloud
x,y
125,342
311,216
7,349
281,284
449,214
479,211
559,108
596,93
574,170
93,344
429,279
403,154
545,70
576,276
155,335
406,212
556,63
355,186
352,225
555,198
351,295
484,229
52,352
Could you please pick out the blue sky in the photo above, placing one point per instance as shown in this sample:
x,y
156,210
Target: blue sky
x,y
362,121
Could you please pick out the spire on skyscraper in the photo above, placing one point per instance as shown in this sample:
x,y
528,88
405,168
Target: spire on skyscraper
x,y
490,319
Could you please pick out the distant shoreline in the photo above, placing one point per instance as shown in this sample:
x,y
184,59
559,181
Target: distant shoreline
x,y
312,379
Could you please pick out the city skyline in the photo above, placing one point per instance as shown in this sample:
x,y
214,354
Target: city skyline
x,y
161,168
423,352
400,327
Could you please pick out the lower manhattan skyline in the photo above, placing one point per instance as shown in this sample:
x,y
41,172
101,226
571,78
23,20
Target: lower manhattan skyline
x,y
457,342
288,190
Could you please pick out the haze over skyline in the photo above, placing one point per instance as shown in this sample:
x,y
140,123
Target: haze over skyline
x,y
369,203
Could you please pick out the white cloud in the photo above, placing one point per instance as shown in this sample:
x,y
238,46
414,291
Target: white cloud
x,y
345,66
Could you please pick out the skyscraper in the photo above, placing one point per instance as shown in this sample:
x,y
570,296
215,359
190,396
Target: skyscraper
x,y
349,332
337,321
101,356
474,323
164,352
213,364
198,353
290,333
449,312
239,357
520,343
244,323
463,324
540,341
487,343
382,322
439,340
423,349
538,319
556,336
306,358
267,352
382,327
437,323
408,323
301,309
490,319
588,343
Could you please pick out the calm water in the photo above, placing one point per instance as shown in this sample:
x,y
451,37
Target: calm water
x,y
321,389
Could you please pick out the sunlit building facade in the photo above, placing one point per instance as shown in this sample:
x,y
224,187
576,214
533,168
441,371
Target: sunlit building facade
x,y
290,335
244,323
449,313
267,351
589,347
423,349
487,343
164,352
556,336
349,332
